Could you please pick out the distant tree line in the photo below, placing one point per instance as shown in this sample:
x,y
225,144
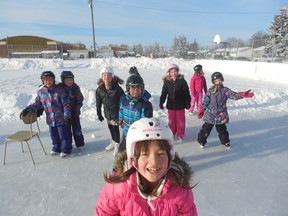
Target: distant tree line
x,y
275,42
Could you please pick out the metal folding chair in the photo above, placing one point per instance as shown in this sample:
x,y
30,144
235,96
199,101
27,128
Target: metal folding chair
x,y
25,135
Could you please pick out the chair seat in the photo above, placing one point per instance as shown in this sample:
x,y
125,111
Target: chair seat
x,y
21,136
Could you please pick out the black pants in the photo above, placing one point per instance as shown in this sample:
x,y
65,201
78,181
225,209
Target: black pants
x,y
206,130
114,131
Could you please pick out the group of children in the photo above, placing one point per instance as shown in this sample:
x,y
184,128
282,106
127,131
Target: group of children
x,y
62,104
148,177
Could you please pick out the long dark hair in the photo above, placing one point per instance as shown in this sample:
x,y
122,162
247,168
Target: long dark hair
x,y
179,170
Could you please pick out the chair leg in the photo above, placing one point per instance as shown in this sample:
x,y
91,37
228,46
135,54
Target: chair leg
x,y
41,145
22,147
30,153
5,152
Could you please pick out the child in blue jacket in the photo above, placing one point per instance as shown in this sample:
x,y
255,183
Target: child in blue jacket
x,y
134,105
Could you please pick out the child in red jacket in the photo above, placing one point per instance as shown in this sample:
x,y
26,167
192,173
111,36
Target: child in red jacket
x,y
197,87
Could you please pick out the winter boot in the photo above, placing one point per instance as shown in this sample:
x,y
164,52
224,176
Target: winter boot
x,y
227,145
110,146
116,149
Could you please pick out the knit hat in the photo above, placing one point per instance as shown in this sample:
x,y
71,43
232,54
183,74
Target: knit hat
x,y
173,66
148,129
107,69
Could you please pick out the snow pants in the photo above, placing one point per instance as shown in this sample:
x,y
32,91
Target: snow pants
x,y
196,100
177,122
77,132
61,138
206,130
115,133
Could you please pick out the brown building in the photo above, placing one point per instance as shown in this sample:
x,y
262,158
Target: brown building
x,y
34,47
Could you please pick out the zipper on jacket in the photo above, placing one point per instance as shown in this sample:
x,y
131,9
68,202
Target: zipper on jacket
x,y
150,203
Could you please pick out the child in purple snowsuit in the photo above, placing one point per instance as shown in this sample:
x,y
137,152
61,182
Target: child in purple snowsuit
x,y
76,102
53,99
214,109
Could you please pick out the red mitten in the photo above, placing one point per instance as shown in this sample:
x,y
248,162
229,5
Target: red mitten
x,y
247,94
200,113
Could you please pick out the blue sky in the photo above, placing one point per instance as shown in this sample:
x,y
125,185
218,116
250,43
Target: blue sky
x,y
133,21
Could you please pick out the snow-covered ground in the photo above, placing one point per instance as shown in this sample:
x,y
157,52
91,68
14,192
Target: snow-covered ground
x,y
249,179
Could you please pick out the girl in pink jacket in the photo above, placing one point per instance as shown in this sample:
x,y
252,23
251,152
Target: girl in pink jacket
x,y
150,179
197,86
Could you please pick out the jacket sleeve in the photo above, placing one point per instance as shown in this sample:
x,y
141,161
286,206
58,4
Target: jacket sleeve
x,y
148,112
205,85
192,85
121,115
106,205
79,100
188,207
164,93
66,104
98,101
186,93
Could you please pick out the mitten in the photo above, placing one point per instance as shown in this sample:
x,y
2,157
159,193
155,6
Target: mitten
x,y
247,94
100,117
200,113
161,106
188,106
40,112
23,113
121,124
68,122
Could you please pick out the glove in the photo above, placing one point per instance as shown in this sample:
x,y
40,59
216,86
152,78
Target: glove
x,y
68,122
161,106
121,124
247,94
40,112
200,113
100,117
188,106
23,113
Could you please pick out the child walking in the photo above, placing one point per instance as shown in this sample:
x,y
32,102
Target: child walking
x,y
176,90
108,94
55,102
214,109
76,102
197,87
134,105
150,178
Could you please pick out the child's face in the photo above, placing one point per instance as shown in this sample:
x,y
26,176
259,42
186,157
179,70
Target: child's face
x,y
48,81
153,163
173,73
217,82
107,77
68,81
135,91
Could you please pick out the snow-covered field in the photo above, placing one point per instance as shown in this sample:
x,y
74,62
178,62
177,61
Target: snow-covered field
x,y
250,179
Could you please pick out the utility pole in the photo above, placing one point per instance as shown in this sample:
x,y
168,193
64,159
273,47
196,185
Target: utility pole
x,y
90,2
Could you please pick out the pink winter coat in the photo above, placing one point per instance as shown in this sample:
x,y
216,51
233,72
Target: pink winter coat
x,y
197,84
124,199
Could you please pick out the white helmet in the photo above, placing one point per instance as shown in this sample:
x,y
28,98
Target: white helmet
x,y
107,69
148,129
